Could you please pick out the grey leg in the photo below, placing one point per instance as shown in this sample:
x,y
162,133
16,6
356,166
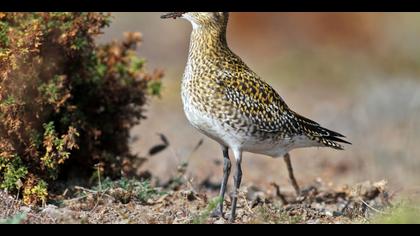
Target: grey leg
x,y
237,183
291,175
226,172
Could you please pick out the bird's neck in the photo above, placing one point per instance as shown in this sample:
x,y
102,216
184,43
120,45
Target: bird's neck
x,y
208,42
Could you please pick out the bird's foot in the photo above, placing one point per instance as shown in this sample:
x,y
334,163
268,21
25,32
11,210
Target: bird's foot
x,y
217,213
231,220
231,217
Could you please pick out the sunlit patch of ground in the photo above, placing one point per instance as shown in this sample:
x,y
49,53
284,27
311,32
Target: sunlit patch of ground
x,y
130,201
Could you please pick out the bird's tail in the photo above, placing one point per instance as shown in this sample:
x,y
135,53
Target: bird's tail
x,y
321,135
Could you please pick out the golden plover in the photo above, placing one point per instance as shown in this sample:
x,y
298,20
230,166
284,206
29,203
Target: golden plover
x,y
224,99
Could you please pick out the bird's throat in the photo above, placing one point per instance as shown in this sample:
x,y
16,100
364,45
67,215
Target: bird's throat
x,y
208,41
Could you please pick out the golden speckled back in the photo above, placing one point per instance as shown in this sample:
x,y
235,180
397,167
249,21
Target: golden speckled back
x,y
219,85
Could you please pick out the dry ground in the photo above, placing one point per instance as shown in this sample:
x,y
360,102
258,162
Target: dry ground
x,y
131,201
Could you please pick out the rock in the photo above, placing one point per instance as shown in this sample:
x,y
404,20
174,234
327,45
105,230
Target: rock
x,y
313,221
190,195
328,213
52,211
220,221
25,209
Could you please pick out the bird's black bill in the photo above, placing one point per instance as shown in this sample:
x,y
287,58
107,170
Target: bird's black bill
x,y
173,15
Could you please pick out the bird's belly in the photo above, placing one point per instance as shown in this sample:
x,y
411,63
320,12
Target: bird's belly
x,y
272,148
230,137
219,131
206,124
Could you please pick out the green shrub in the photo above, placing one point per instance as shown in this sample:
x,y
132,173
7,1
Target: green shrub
x,y
66,103
13,171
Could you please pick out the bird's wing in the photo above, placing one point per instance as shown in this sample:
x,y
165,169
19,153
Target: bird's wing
x,y
268,112
258,101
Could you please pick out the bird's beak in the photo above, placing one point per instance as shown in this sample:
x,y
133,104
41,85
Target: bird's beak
x,y
173,15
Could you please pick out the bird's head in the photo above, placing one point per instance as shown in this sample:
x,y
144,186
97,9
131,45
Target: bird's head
x,y
201,19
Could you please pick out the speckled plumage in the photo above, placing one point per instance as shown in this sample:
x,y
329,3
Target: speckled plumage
x,y
227,101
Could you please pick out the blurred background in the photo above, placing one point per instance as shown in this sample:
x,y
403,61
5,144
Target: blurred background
x,y
356,73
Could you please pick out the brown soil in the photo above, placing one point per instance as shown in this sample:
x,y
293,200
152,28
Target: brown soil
x,y
317,204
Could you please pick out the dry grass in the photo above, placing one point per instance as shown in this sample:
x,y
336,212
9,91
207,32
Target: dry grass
x,y
120,202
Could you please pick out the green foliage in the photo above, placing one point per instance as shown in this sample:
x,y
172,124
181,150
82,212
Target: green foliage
x,y
127,189
65,102
136,64
12,173
402,213
36,193
57,150
140,190
203,216
155,88
145,191
4,40
10,100
16,219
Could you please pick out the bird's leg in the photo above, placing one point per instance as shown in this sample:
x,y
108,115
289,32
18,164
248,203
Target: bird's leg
x,y
237,183
291,175
226,172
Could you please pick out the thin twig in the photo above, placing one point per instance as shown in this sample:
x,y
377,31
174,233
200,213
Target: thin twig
x,y
85,189
93,191
97,200
75,199
99,179
372,208
190,183
11,209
